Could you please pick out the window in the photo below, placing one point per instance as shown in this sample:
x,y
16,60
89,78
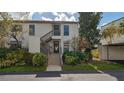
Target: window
x,y
56,29
66,30
66,46
31,30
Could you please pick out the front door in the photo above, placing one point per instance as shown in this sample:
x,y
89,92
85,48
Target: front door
x,y
56,46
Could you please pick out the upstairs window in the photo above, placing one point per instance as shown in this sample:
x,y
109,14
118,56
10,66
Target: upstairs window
x,y
66,30
56,28
32,30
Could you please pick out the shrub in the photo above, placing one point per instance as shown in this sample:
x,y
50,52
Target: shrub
x,y
3,52
28,58
12,57
70,60
6,63
78,55
39,59
95,53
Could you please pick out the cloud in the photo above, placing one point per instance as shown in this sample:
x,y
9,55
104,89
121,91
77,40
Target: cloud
x,y
46,19
50,16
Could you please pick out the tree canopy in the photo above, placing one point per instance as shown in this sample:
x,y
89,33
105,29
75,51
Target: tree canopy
x,y
8,28
89,31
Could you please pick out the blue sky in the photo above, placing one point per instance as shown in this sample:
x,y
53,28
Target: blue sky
x,y
110,16
73,16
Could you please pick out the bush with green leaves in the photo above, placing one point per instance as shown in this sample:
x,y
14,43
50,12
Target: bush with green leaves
x,y
3,52
28,58
39,59
80,57
71,60
6,63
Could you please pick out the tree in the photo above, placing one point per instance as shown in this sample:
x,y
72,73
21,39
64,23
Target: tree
x,y
5,27
8,27
110,31
88,30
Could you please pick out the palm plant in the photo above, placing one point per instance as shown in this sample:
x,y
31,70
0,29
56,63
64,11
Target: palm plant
x,y
110,31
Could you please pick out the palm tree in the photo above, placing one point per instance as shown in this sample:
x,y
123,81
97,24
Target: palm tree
x,y
110,31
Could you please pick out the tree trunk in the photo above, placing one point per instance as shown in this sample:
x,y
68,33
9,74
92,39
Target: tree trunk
x,y
18,46
88,51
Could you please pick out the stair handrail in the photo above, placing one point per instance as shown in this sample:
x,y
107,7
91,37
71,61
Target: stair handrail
x,y
46,34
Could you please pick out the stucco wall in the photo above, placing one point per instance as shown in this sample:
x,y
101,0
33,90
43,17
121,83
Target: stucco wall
x,y
103,52
34,44
41,29
114,53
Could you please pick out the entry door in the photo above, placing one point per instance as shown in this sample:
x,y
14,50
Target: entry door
x,y
56,46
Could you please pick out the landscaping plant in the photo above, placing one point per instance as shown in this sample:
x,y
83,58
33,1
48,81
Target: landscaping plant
x,y
39,59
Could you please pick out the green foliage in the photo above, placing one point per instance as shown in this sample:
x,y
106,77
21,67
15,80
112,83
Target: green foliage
x,y
88,27
79,57
28,58
70,60
39,59
95,53
3,52
6,63
110,31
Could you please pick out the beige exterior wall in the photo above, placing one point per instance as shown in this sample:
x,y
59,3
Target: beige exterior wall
x,y
116,53
112,53
34,44
103,52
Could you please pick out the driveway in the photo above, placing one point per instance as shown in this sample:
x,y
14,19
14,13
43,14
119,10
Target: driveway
x,y
64,76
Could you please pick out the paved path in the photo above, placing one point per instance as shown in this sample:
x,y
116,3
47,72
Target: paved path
x,y
53,62
64,76
54,68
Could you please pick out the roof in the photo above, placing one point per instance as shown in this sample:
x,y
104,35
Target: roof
x,y
40,21
113,21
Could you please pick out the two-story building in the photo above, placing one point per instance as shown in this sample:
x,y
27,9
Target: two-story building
x,y
47,36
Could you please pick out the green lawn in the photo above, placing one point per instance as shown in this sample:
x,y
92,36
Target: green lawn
x,y
96,65
23,69
77,67
108,66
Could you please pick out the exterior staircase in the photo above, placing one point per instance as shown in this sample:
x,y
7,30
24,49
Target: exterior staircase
x,y
54,62
44,44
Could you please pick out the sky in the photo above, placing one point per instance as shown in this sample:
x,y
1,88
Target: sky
x,y
73,16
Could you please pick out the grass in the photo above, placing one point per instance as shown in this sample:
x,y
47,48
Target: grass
x,y
108,66
99,65
77,67
23,69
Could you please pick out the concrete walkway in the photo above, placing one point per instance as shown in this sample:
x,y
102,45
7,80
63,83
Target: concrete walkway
x,y
54,62
54,68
